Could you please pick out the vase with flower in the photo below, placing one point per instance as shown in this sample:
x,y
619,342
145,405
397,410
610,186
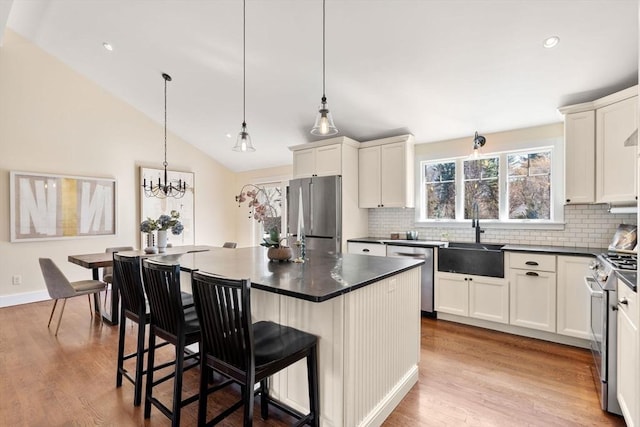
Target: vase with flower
x,y
262,209
162,225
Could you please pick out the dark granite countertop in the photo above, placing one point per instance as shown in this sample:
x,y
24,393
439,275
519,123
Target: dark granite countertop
x,y
323,276
401,242
556,250
629,278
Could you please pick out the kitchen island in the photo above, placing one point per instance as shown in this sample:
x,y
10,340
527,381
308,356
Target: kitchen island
x,y
364,309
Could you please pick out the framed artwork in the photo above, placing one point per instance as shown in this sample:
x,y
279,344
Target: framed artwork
x,y
45,206
153,207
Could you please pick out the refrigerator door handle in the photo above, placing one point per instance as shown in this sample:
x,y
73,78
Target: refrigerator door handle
x,y
311,207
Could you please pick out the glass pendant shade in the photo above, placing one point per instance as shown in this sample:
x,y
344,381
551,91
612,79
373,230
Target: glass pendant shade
x,y
243,143
324,122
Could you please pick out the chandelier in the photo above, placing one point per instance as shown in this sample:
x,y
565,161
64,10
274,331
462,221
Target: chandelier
x,y
163,189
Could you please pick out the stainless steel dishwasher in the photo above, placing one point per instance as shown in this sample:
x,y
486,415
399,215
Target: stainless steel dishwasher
x,y
426,293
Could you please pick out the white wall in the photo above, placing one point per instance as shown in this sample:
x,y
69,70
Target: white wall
x,y
53,120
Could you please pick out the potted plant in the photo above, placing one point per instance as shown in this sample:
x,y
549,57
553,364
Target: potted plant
x,y
162,225
277,251
262,210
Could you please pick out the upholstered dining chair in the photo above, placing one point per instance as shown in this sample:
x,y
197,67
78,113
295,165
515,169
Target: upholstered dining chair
x,y
245,352
59,287
107,272
231,245
171,322
126,270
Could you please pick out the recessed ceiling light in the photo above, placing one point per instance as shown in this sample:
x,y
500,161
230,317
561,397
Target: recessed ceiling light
x,y
228,135
107,46
550,42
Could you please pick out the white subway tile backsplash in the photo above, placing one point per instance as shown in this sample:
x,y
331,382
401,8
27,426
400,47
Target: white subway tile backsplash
x,y
585,226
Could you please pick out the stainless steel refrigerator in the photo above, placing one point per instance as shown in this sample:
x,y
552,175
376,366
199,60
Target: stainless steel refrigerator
x,y
322,211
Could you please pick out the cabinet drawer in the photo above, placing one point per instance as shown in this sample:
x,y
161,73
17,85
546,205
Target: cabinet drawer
x,y
534,262
631,306
367,248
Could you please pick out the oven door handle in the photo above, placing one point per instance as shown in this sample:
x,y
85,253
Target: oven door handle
x,y
594,294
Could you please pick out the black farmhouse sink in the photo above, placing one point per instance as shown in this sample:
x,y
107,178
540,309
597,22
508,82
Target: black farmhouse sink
x,y
479,259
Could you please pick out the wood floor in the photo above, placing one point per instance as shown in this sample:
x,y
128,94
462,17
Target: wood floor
x,y
468,377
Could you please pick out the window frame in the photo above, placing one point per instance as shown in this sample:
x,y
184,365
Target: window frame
x,y
556,220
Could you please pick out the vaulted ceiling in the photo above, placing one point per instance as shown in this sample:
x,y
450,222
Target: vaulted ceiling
x,y
439,69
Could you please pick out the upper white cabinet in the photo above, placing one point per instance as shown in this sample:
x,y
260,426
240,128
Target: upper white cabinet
x,y
318,161
601,136
385,169
574,299
615,154
580,155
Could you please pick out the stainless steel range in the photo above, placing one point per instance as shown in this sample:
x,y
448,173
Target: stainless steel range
x,y
602,286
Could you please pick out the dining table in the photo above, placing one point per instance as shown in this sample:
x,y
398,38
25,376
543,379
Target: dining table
x,y
96,261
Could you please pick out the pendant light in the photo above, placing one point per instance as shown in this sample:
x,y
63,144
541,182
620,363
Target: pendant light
x,y
166,188
478,142
324,122
243,143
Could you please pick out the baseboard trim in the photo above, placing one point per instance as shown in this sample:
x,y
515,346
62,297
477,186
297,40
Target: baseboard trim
x,y
384,408
516,330
23,298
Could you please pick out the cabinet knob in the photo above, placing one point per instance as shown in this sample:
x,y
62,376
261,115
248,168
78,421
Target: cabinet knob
x,y
532,273
568,200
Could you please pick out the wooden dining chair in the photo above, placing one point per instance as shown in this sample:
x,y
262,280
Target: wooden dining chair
x,y
169,321
59,287
107,272
247,353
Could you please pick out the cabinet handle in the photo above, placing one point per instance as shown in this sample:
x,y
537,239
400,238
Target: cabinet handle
x,y
366,250
531,263
532,273
624,301
568,200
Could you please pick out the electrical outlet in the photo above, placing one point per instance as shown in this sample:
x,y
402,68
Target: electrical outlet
x,y
16,279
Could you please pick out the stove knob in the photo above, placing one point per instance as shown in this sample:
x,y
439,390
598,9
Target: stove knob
x,y
593,265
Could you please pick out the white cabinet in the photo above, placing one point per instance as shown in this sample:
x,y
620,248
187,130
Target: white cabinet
x,y
452,294
376,249
628,355
573,299
580,163
607,127
532,291
489,299
385,170
479,297
319,161
615,159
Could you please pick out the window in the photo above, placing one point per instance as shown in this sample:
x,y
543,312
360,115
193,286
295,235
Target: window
x,y
440,190
481,187
529,185
507,187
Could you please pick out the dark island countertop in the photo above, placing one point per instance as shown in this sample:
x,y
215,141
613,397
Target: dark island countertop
x,y
323,276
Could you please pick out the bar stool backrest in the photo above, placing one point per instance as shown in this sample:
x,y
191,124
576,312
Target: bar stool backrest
x,y
162,286
126,270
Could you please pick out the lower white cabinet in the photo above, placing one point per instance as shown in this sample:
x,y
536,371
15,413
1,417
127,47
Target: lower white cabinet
x,y
532,299
628,355
573,296
473,296
376,249
489,299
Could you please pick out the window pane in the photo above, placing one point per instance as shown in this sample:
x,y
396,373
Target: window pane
x,y
485,193
481,187
440,190
530,197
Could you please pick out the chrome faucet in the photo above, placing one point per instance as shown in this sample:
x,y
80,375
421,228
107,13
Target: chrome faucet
x,y
475,221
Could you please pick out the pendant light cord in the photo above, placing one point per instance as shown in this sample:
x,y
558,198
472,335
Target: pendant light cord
x,y
323,50
165,121
244,62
